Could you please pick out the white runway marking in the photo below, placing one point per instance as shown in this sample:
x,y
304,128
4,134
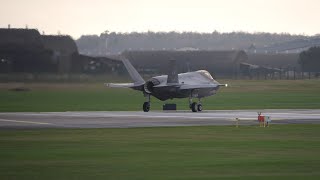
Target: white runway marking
x,y
27,122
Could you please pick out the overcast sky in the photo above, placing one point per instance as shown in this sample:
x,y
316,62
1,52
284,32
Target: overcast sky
x,y
77,17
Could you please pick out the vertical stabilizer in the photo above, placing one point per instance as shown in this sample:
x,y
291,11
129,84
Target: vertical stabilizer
x,y
132,72
172,74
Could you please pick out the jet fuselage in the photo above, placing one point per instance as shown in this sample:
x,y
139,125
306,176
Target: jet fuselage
x,y
159,88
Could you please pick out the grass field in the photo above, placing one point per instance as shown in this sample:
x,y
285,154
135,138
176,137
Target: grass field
x,y
221,152
278,94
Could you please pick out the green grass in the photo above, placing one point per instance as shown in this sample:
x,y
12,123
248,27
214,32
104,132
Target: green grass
x,y
217,152
263,94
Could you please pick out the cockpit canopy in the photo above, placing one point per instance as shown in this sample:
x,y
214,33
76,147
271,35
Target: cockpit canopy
x,y
206,74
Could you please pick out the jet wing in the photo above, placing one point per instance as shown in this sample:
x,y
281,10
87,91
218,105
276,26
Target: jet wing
x,y
123,85
200,86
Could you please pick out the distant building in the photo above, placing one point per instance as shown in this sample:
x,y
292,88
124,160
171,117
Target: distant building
x,y
63,47
220,63
23,51
294,46
275,60
26,50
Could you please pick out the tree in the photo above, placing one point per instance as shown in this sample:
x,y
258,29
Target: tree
x,y
310,60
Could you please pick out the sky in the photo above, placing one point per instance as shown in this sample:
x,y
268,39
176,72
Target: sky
x,y
82,17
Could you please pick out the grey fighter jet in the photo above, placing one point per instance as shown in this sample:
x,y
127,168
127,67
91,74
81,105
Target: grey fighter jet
x,y
197,84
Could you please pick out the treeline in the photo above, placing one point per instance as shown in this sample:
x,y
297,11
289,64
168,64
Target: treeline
x,y
113,42
310,60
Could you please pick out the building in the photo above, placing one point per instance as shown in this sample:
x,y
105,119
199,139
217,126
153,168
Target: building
x,y
219,63
27,51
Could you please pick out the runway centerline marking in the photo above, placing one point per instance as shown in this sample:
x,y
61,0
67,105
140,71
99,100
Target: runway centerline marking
x,y
27,122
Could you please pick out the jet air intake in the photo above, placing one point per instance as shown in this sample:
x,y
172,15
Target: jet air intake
x,y
148,86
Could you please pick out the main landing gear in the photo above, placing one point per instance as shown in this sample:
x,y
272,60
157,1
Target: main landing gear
x,y
146,105
195,107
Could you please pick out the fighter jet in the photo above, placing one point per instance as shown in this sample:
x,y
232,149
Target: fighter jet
x,y
197,84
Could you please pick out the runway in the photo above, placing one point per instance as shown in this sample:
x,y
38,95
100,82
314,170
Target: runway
x,y
128,119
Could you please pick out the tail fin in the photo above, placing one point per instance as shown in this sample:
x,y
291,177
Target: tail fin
x,y
132,71
172,74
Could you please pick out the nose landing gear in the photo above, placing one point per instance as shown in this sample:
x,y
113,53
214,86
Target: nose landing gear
x,y
195,107
199,107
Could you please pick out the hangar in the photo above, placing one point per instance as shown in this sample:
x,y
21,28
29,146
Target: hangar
x,y
219,63
27,51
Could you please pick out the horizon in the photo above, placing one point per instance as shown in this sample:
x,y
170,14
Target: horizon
x,y
81,17
127,32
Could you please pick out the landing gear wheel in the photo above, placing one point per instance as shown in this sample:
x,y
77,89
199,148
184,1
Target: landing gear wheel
x,y
194,107
199,107
146,106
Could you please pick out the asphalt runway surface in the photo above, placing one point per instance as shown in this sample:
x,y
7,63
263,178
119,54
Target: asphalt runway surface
x,y
128,119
